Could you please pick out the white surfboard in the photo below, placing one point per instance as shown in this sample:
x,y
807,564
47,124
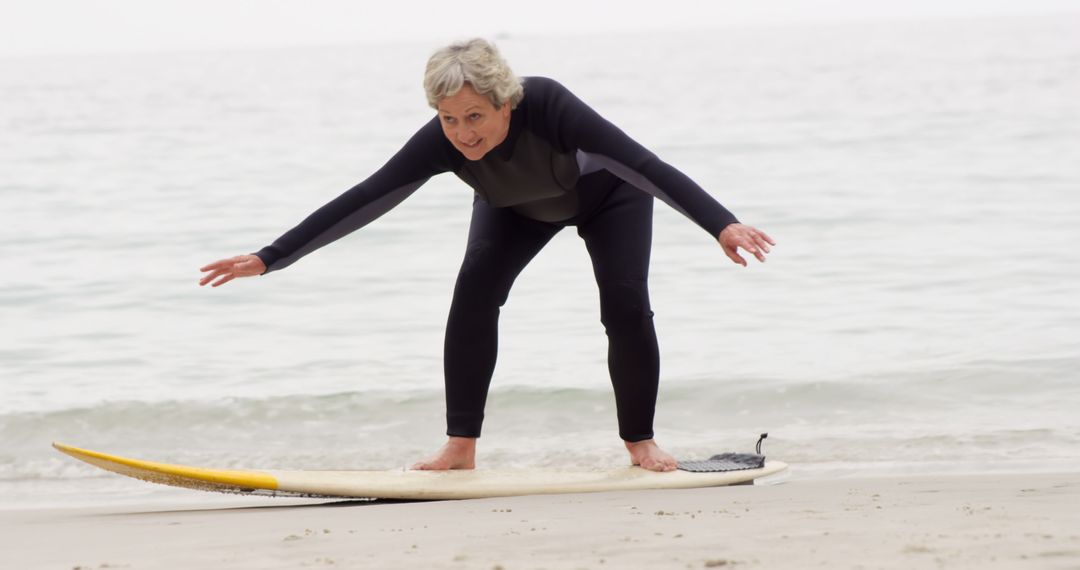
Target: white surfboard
x,y
408,484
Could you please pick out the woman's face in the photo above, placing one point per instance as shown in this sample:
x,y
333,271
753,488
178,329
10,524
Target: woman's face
x,y
472,123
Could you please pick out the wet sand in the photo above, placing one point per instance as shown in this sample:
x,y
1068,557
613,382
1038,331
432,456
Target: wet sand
x,y
980,521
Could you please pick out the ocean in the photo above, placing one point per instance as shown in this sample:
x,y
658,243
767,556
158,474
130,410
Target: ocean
x,y
919,314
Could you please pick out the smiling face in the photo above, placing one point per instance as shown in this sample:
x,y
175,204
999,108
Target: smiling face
x,y
472,123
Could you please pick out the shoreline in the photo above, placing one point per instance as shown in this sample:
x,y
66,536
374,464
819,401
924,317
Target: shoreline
x,y
955,521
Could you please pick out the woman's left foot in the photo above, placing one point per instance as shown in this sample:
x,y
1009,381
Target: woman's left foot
x,y
649,456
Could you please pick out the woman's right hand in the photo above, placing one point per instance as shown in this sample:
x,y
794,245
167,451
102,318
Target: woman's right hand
x,y
225,270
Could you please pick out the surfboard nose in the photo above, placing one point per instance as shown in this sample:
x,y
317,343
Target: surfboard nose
x,y
226,480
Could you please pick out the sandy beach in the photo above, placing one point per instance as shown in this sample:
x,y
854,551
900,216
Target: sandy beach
x,y
963,521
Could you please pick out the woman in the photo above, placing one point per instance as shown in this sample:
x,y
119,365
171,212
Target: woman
x,y
538,160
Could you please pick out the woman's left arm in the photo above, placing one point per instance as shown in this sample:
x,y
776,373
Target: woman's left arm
x,y
601,143
751,239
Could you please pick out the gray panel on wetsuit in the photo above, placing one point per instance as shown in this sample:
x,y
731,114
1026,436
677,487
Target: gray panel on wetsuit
x,y
537,181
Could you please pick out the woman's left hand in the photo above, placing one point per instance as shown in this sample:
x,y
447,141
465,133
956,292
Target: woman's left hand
x,y
753,240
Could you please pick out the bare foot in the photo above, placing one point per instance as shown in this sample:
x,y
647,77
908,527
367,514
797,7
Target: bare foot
x,y
649,456
458,453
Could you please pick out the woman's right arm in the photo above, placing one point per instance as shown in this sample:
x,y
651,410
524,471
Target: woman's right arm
x,y
225,270
423,156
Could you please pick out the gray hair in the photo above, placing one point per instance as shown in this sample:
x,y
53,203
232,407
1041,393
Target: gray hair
x,y
476,62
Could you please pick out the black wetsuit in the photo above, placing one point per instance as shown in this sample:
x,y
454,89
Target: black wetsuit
x,y
561,164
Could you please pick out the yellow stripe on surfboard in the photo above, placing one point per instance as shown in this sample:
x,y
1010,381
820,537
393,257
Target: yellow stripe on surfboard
x,y
177,475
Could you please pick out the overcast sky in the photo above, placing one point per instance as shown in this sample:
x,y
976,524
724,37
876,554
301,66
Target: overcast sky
x,y
91,26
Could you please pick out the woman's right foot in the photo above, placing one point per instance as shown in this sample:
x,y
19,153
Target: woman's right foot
x,y
458,453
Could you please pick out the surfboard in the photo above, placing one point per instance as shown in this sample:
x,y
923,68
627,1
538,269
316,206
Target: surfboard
x,y
408,484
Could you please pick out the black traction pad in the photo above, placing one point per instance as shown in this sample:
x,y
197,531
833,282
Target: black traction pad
x,y
724,462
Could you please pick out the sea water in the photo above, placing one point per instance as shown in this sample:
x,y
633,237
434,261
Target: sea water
x,y
919,314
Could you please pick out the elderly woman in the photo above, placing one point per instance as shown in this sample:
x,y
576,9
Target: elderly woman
x,y
538,160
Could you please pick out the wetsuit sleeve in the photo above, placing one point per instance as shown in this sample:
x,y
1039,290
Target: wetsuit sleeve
x,y
422,157
600,144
